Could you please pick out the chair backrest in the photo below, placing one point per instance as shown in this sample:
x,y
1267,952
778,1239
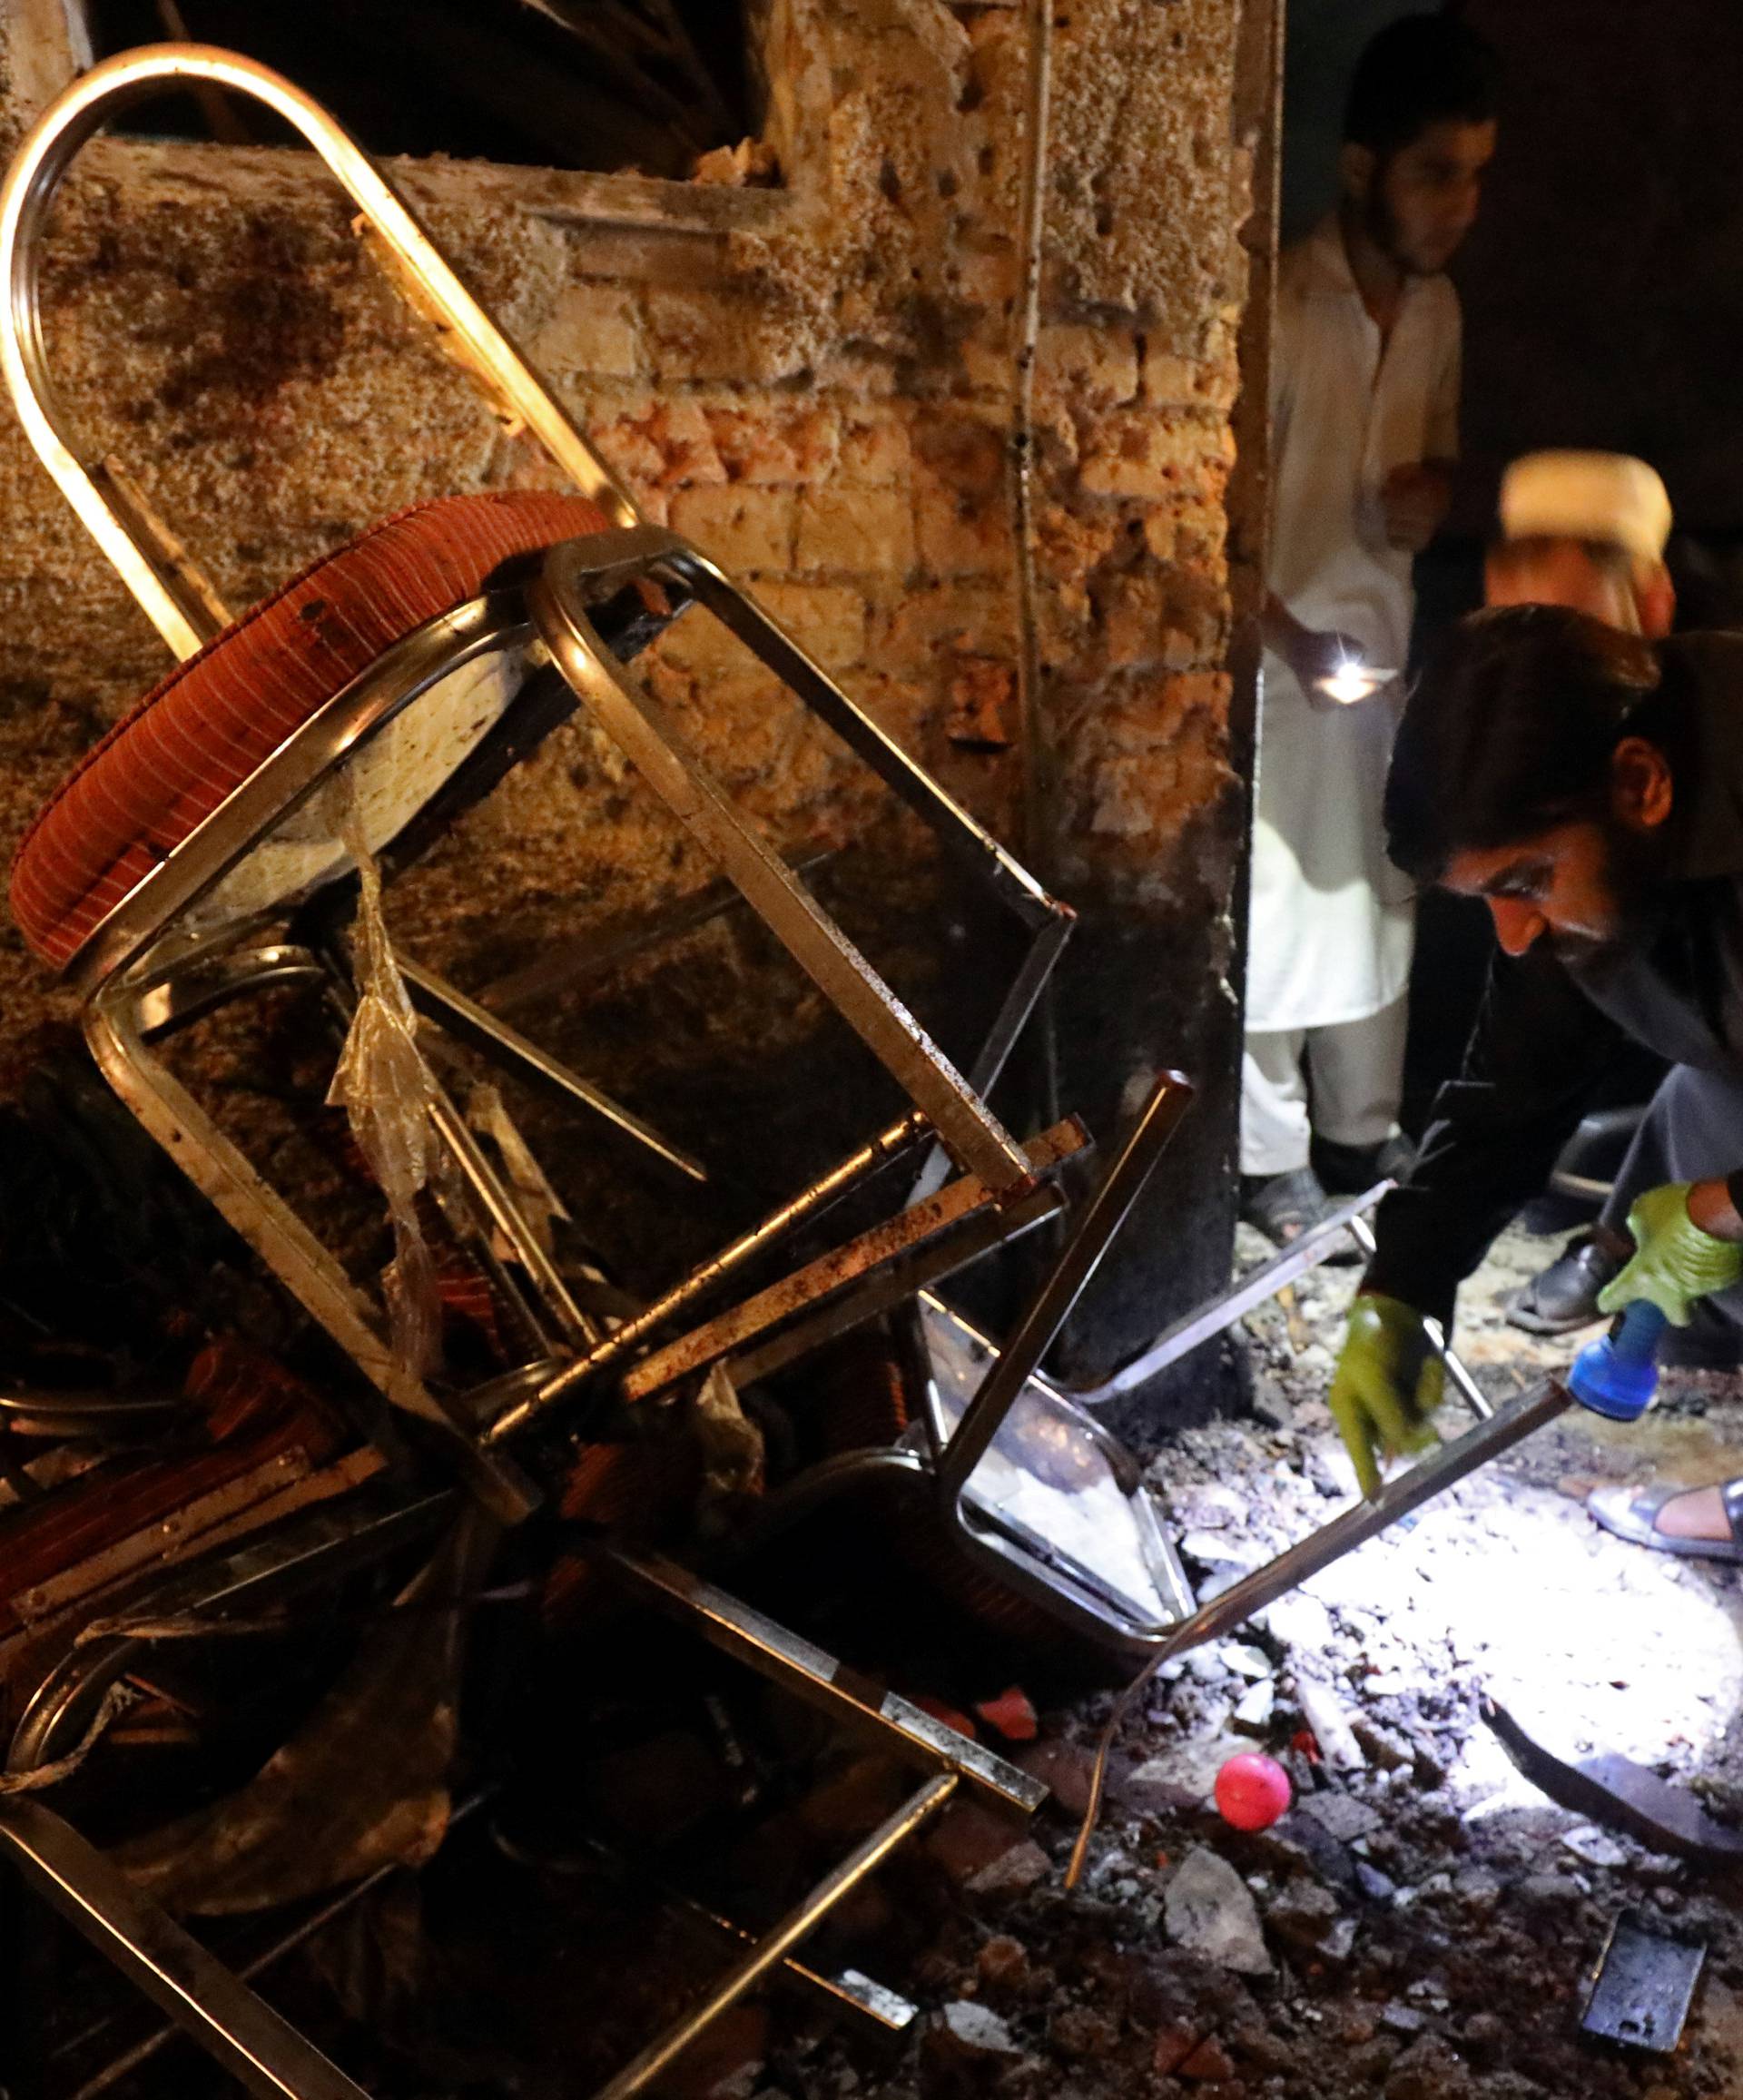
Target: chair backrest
x,y
180,602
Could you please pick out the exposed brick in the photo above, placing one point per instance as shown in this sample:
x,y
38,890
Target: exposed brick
x,y
592,328
991,276
713,334
827,620
962,535
1206,382
875,446
965,615
699,646
1095,366
748,528
855,531
964,451
763,443
1133,453
982,712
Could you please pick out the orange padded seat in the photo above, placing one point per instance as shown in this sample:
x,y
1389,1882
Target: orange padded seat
x,y
201,732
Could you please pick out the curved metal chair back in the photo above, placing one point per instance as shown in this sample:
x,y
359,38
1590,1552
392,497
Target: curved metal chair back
x,y
181,604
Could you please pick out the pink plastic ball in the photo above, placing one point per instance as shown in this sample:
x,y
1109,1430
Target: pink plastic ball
x,y
1252,1791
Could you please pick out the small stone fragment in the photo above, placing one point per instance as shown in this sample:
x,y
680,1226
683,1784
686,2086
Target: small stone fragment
x,y
1597,1848
1003,1963
1253,1712
976,2030
1208,2060
1341,1815
1245,1660
1013,1872
1081,2031
1325,1713
1210,1911
1308,1917
1174,2044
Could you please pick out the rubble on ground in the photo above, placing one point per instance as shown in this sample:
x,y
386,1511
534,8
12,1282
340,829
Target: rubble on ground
x,y
1421,1925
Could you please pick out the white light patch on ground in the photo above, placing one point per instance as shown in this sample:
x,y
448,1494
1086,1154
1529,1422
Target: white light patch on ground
x,y
1592,1644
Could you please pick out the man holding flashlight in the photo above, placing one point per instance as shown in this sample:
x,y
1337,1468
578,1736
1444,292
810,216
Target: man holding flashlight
x,y
1364,408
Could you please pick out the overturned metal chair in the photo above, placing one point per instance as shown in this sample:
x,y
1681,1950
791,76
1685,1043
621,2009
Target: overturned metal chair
x,y
211,847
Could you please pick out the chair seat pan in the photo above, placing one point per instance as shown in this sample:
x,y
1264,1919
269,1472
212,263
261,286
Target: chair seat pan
x,y
206,728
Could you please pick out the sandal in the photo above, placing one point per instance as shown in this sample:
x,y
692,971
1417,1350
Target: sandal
x,y
1632,1513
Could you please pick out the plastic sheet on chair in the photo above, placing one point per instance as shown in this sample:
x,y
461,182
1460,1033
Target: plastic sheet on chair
x,y
386,1089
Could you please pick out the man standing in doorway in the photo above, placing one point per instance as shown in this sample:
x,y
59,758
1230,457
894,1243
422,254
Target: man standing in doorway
x,y
1364,429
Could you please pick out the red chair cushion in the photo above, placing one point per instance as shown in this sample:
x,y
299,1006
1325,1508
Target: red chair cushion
x,y
215,718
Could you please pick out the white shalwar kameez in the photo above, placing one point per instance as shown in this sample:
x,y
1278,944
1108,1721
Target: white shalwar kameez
x,y
1332,921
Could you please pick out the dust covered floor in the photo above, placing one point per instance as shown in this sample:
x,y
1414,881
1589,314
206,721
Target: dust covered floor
x,y
1423,1924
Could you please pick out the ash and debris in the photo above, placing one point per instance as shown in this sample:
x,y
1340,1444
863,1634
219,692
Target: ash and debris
x,y
1422,1925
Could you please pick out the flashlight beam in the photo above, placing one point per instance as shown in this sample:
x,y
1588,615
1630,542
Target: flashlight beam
x,y
1510,1425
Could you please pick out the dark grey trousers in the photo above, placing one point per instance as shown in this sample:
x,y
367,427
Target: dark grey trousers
x,y
1693,1131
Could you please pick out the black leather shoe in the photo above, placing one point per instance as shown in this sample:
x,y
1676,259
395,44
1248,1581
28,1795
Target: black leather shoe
x,y
1283,1206
1564,1296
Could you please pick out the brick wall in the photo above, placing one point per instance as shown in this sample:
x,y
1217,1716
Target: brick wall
x,y
816,382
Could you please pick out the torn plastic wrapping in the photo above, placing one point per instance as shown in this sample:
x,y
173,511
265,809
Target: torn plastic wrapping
x,y
385,1088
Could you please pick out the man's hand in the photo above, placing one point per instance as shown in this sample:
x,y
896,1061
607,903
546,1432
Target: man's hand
x,y
1387,1384
1676,1260
1413,501
1311,655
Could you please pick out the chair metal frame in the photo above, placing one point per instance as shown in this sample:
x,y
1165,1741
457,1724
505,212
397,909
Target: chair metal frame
x,y
139,979
144,972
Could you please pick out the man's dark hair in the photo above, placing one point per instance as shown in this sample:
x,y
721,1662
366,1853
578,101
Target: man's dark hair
x,y
1510,730
1421,70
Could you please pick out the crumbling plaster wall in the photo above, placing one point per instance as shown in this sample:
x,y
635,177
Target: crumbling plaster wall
x,y
817,383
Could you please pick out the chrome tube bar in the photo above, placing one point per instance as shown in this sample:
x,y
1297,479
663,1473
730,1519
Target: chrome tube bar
x,y
162,1106
772,1950
1204,1322
287,1942
468,1023
956,1208
1432,1474
180,608
1170,1097
642,730
206,2000
308,757
878,1152
1472,1394
820,1679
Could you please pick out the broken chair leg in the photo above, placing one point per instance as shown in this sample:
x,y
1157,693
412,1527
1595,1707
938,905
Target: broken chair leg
x,y
915,1812
241,2031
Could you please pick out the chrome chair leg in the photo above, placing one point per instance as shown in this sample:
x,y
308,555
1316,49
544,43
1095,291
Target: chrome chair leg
x,y
258,2046
261,1218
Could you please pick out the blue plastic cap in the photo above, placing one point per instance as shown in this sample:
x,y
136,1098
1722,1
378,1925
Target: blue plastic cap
x,y
1618,1376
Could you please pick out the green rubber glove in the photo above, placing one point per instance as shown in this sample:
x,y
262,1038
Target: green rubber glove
x,y
1675,1262
1387,1384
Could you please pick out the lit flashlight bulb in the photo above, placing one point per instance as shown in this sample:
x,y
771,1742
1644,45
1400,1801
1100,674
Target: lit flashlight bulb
x,y
1351,681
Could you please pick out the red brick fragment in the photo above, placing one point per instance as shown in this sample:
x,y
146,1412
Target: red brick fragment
x,y
1010,1714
